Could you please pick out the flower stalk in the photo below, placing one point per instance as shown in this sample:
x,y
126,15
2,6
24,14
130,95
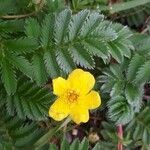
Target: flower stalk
x,y
120,136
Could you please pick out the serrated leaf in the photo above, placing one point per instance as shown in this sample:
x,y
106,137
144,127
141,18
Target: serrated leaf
x,y
119,110
31,102
134,65
19,106
9,105
10,26
117,89
65,61
124,49
143,74
61,25
22,64
104,32
32,28
47,31
51,64
116,71
116,52
81,56
91,23
22,133
39,69
140,127
76,24
97,48
133,94
22,45
8,77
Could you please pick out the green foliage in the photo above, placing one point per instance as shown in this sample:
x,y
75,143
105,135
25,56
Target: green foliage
x,y
125,82
128,5
75,39
15,133
119,110
140,127
29,101
126,98
13,6
63,41
75,145
136,15
41,40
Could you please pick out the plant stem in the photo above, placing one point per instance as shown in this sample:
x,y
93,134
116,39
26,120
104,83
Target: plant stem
x,y
120,136
18,16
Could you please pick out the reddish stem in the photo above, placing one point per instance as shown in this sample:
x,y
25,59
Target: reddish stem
x,y
120,136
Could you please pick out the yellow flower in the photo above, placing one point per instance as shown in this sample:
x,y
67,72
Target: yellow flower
x,y
75,97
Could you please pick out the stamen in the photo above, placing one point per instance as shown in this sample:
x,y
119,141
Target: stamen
x,y
72,96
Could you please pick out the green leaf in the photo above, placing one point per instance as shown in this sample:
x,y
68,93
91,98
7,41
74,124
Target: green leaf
x,y
30,101
81,56
97,48
9,105
77,23
140,127
22,45
116,71
53,147
84,144
91,23
127,5
124,49
47,31
61,25
22,133
32,28
105,146
136,61
119,110
75,144
64,60
8,77
104,32
143,74
116,52
146,136
45,138
64,145
133,94
11,26
117,89
51,64
39,69
22,64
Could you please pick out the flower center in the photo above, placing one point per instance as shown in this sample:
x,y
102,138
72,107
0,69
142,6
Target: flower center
x,y
72,96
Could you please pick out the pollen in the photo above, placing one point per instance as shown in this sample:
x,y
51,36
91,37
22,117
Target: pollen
x,y
72,96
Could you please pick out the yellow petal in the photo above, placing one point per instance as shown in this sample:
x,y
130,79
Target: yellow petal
x,y
59,110
91,100
81,81
60,85
79,114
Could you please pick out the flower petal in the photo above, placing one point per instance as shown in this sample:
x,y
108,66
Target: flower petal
x,y
91,100
60,85
81,81
59,110
79,114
